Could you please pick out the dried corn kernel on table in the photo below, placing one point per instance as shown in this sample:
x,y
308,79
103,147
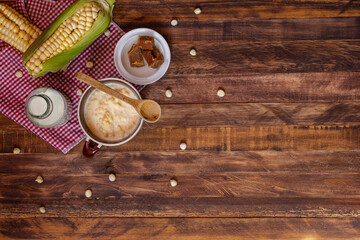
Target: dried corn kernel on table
x,y
259,136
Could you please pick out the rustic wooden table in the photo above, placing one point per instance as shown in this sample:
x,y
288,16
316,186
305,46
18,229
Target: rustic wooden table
x,y
276,158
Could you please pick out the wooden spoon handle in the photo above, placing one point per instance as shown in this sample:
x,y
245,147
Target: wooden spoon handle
x,y
102,87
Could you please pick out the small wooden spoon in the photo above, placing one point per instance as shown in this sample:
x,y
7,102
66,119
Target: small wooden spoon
x,y
149,110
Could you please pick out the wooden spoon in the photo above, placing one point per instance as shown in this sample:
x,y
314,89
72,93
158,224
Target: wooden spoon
x,y
149,110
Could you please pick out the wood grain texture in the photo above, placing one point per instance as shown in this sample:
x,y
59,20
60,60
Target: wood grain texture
x,y
278,138
248,114
281,87
276,158
265,57
162,11
179,228
105,206
189,185
254,29
192,162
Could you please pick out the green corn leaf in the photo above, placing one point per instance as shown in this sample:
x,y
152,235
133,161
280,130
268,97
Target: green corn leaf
x,y
100,25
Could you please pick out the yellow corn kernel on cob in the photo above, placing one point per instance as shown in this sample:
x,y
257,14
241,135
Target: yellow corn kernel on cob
x,y
75,29
15,29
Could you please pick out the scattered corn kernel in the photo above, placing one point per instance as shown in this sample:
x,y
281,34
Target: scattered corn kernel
x,y
193,52
79,92
197,11
88,193
39,179
107,33
173,182
42,209
183,146
89,64
168,93
18,74
221,92
16,150
112,177
174,22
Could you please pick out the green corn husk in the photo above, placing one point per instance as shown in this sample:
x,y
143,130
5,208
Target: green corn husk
x,y
59,61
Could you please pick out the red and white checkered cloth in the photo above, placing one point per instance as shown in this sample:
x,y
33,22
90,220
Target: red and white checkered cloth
x,y
13,90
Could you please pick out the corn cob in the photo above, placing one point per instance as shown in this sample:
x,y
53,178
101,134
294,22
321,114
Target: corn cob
x,y
75,29
15,29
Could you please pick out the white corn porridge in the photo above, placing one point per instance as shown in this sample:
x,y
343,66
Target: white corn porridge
x,y
108,117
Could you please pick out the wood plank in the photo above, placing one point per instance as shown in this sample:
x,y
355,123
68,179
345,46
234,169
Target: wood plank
x,y
239,57
198,32
193,162
253,138
182,207
189,185
280,87
162,11
248,114
180,228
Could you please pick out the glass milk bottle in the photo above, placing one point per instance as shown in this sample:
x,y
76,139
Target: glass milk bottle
x,y
48,108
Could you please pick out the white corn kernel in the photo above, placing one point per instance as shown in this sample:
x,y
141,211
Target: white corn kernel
x,y
36,71
89,19
42,57
16,150
107,33
32,66
82,18
112,177
81,27
74,25
69,40
89,64
193,52
89,14
79,92
39,179
42,209
77,32
62,37
221,92
35,35
197,11
47,53
88,25
56,45
173,182
18,74
72,37
76,36
88,193
168,93
53,48
183,146
174,22
67,30
66,44
94,15
58,41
